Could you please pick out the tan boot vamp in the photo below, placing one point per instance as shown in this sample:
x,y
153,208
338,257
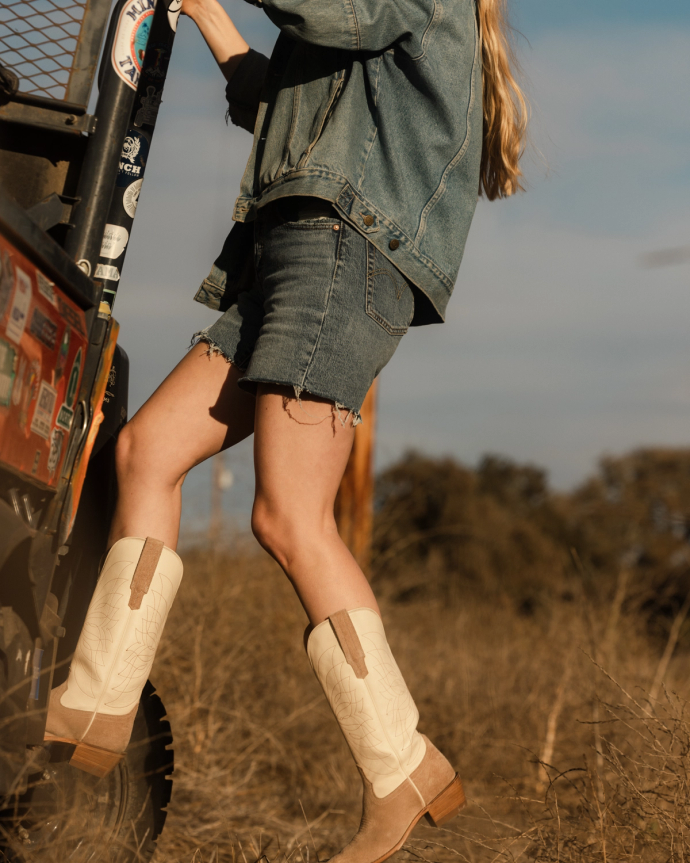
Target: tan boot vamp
x,y
105,731
386,821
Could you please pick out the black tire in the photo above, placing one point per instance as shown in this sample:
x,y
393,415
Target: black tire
x,y
67,814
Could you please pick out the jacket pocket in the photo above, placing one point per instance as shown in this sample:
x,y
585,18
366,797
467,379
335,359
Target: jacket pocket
x,y
390,301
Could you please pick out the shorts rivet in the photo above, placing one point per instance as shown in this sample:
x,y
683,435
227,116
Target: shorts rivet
x,y
336,227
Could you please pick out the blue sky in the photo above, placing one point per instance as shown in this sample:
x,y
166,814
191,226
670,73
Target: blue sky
x,y
560,345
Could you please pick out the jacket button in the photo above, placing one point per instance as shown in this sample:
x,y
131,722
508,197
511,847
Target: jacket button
x,y
368,220
393,245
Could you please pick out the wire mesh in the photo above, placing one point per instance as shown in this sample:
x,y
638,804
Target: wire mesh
x,y
38,41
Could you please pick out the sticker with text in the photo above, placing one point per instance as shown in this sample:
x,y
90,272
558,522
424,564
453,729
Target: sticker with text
x,y
8,361
56,439
43,329
21,301
45,287
132,164
106,271
131,36
115,238
64,418
42,422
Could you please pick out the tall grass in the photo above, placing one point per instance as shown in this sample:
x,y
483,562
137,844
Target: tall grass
x,y
546,715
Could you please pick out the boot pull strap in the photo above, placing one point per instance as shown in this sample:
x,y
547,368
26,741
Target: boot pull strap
x,y
349,642
146,569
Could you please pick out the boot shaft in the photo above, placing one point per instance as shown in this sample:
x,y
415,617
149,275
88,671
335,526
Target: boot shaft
x,y
368,695
123,626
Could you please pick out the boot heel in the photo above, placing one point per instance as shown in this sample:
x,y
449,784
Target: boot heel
x,y
447,804
91,759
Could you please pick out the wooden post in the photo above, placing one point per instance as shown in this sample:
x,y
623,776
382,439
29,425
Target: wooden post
x,y
215,521
354,512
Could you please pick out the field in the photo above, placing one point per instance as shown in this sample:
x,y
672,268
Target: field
x,y
542,636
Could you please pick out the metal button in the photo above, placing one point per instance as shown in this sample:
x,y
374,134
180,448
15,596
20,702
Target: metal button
x,y
393,245
368,220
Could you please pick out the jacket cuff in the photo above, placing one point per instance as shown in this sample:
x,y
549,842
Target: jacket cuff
x,y
247,80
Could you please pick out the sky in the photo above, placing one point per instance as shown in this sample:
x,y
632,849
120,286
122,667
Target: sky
x,y
561,343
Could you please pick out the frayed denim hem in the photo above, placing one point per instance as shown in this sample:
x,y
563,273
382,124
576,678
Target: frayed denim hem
x,y
213,350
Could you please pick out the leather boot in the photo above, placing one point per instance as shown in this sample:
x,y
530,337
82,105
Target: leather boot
x,y
96,706
404,776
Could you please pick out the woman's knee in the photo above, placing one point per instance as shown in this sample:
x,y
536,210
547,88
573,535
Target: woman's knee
x,y
286,532
139,456
269,533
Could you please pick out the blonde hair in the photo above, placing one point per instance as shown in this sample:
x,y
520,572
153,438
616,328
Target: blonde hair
x,y
505,106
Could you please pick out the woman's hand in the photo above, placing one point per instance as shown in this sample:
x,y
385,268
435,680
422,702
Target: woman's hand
x,y
221,35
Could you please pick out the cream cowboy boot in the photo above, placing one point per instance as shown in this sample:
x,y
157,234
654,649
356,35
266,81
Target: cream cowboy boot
x,y
404,775
96,706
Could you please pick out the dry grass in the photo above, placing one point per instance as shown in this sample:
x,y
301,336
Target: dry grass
x,y
261,768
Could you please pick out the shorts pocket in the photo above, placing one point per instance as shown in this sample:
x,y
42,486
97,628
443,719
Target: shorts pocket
x,y
390,301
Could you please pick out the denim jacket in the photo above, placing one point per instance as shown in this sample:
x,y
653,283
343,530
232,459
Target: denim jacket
x,y
375,106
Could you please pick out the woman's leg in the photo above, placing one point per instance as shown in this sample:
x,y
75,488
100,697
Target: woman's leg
x,y
301,448
196,412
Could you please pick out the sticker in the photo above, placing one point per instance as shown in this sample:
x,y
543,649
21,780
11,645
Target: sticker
x,y
37,459
43,329
43,412
8,358
131,36
105,271
84,266
174,9
55,450
45,287
130,199
73,382
64,418
19,382
6,281
159,57
115,239
30,390
20,306
150,103
133,158
62,355
70,315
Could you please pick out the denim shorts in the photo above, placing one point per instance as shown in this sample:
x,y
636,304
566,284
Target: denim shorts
x,y
326,310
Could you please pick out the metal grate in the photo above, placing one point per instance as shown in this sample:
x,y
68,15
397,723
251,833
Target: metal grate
x,y
38,40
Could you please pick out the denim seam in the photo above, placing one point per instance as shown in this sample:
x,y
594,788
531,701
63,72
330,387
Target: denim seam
x,y
296,97
355,34
438,10
412,248
369,308
336,270
362,169
441,188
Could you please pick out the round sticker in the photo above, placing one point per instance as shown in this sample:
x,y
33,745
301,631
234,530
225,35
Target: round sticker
x,y
130,199
129,45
